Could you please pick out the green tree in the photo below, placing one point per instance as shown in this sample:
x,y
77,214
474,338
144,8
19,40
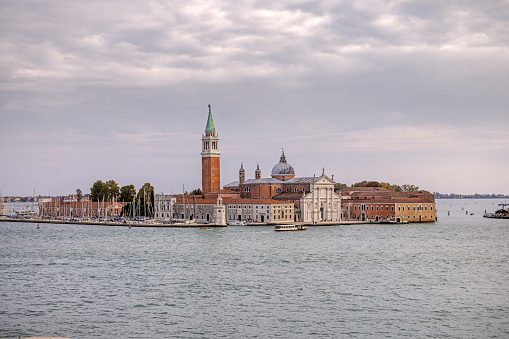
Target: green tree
x,y
113,189
99,191
146,198
396,188
386,185
79,194
197,192
127,193
338,186
409,188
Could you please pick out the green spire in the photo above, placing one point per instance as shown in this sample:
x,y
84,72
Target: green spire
x,y
210,123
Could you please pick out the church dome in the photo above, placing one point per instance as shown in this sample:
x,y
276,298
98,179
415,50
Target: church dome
x,y
283,168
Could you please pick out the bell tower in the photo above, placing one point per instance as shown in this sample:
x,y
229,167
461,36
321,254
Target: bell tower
x,y
210,169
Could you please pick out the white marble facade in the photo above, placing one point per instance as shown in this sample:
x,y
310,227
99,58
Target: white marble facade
x,y
321,204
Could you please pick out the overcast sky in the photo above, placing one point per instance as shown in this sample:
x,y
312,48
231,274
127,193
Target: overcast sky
x,y
397,91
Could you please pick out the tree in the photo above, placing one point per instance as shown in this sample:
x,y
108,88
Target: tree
x,y
146,197
127,193
113,190
396,188
338,186
79,194
386,185
99,191
197,192
409,188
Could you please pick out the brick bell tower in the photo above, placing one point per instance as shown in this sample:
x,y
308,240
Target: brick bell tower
x,y
210,170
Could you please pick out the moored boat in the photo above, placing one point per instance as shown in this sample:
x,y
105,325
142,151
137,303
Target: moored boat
x,y
237,223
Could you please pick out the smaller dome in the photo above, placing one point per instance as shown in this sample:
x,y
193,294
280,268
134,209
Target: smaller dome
x,y
283,168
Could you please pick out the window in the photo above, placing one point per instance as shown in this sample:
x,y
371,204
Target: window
x,y
278,190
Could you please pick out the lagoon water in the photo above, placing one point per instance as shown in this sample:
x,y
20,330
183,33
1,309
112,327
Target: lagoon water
x,y
443,279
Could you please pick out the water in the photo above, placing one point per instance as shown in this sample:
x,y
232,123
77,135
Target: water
x,y
446,279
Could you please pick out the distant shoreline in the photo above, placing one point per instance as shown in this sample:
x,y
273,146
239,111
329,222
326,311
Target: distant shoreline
x,y
471,197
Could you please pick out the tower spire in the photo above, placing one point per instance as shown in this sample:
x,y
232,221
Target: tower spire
x,y
210,123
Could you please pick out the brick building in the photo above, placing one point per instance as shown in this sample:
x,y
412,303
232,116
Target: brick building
x,y
380,204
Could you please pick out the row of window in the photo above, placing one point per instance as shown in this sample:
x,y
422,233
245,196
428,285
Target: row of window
x,y
419,208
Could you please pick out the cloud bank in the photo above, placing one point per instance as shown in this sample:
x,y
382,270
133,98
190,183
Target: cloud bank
x,y
336,83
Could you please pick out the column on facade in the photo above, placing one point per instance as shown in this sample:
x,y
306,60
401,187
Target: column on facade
x,y
317,206
313,206
326,214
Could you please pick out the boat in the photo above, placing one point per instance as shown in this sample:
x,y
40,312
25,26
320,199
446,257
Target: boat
x,y
290,227
237,223
499,214
26,214
207,228
398,220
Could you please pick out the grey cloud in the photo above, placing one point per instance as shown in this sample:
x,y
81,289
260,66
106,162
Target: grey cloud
x,y
113,72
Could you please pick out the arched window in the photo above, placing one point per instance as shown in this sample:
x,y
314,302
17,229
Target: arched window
x,y
278,190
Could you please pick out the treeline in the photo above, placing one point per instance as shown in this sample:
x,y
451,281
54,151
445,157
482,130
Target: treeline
x,y
139,203
396,188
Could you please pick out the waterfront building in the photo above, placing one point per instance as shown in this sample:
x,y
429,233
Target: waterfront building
x,y
264,210
198,208
164,206
380,204
80,209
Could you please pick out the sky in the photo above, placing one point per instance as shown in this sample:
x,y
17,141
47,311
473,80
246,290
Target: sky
x,y
405,92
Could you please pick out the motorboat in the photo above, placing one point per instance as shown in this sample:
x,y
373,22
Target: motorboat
x,y
290,227
237,223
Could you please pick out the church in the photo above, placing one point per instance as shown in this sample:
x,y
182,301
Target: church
x,y
313,198
281,198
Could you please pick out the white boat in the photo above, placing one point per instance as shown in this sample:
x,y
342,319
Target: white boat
x,y
290,227
26,214
237,223
398,220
